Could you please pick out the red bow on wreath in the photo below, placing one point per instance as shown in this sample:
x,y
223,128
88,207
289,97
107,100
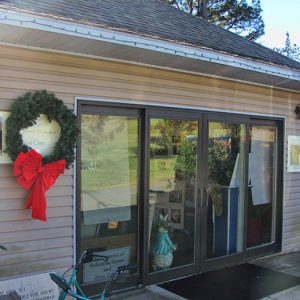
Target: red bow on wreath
x,y
32,174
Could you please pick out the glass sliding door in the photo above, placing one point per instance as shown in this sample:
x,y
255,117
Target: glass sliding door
x,y
175,191
261,208
109,191
225,188
172,193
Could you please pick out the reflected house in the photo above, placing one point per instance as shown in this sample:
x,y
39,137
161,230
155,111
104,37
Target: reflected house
x,y
186,121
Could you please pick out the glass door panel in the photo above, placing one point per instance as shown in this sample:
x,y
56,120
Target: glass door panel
x,y
260,227
225,188
109,191
172,199
199,208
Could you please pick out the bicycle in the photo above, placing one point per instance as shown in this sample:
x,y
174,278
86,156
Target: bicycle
x,y
71,286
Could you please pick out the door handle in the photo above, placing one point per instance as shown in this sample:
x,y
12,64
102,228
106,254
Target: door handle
x,y
199,202
204,197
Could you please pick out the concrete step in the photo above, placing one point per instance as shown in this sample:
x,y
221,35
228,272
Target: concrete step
x,y
151,292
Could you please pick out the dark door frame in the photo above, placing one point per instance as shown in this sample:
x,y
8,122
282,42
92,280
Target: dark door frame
x,y
203,117
275,246
91,108
150,278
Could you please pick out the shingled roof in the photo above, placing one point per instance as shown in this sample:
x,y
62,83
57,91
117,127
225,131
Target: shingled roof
x,y
151,18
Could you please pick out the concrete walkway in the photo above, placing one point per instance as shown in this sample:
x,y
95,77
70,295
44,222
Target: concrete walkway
x,y
286,263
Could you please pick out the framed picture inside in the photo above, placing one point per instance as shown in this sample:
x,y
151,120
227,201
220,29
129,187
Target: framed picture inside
x,y
175,214
175,196
177,217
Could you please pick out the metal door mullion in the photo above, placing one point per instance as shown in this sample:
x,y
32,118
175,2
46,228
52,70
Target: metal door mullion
x,y
145,194
242,120
203,177
246,187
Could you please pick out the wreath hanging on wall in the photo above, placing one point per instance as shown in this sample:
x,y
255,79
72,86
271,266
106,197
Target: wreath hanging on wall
x,y
33,171
24,113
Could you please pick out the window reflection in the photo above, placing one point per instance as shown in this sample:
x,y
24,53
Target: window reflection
x,y
261,179
225,189
109,189
173,164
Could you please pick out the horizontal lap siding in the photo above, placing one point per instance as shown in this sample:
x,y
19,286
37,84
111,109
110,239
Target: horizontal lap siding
x,y
34,246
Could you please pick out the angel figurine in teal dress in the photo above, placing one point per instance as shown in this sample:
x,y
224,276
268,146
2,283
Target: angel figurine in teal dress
x,y
163,246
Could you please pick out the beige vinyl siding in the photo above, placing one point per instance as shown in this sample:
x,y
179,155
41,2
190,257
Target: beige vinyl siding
x,y
34,246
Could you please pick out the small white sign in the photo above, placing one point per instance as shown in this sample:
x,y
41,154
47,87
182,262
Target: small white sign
x,y
101,270
36,287
4,158
293,164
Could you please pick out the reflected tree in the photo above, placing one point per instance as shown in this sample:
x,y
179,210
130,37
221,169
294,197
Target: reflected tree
x,y
93,131
172,132
186,161
222,153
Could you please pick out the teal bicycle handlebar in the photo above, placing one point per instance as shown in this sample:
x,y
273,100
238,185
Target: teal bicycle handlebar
x,y
68,287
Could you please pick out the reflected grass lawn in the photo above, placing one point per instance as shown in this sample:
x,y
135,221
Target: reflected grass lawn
x,y
109,174
109,156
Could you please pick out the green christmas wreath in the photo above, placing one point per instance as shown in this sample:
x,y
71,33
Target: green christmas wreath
x,y
24,112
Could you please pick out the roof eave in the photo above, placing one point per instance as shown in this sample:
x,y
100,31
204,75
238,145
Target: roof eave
x,y
57,35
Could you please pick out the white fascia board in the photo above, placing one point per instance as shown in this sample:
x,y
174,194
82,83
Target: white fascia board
x,y
116,37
